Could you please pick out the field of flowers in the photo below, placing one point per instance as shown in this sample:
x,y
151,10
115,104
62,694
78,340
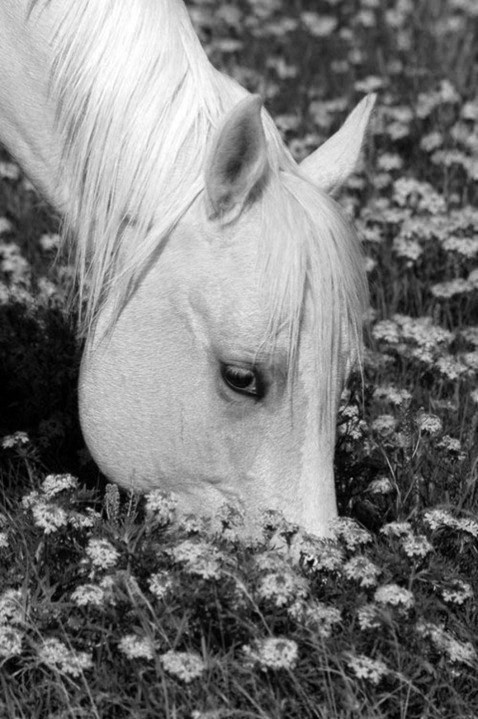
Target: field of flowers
x,y
107,609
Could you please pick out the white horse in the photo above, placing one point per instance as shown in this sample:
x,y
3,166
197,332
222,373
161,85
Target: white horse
x,y
224,288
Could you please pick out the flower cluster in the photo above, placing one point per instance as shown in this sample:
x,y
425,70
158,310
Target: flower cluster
x,y
272,653
56,655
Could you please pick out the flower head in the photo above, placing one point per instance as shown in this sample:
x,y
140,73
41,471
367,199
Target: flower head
x,y
396,529
362,570
429,424
322,555
395,596
457,592
57,656
416,546
368,617
136,647
318,617
102,554
185,666
10,641
281,587
160,584
371,670
199,558
351,533
446,643
273,653
53,484
17,439
11,607
161,505
88,594
49,516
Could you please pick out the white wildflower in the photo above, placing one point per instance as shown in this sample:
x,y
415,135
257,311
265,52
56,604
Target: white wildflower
x,y
17,439
471,360
429,424
84,521
102,554
351,533
451,368
451,288
464,246
408,248
396,529
472,278
49,242
438,518
273,653
199,558
459,652
371,670
271,561
88,594
368,617
381,485
389,162
457,592
470,334
53,484
416,546
57,656
362,570
318,617
281,587
391,394
160,584
386,331
49,516
5,226
321,554
161,505
384,424
11,607
10,641
452,446
183,665
395,596
318,25
136,647
9,170
30,499
470,526
432,141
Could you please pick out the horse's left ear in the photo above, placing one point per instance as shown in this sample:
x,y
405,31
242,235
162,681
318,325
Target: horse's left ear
x,y
237,161
332,163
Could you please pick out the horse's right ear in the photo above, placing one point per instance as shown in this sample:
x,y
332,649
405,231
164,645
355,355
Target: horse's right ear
x,y
237,161
332,163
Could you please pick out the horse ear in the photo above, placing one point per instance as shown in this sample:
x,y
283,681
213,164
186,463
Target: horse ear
x,y
237,161
330,165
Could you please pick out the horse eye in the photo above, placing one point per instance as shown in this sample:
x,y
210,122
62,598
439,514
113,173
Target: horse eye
x,y
242,380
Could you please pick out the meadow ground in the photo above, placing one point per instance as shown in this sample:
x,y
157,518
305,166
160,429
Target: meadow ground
x,y
107,611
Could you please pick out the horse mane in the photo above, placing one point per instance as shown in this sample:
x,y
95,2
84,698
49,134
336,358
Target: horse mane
x,y
138,102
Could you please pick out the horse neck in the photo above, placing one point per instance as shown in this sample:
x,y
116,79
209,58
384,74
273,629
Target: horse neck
x,y
27,115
